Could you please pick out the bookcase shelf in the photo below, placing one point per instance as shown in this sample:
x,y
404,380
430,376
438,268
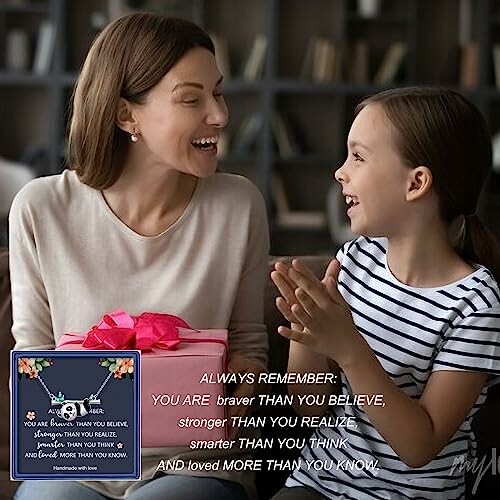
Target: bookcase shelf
x,y
24,9
24,79
287,118
380,19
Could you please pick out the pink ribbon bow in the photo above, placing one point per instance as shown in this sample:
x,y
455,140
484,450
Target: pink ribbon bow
x,y
118,330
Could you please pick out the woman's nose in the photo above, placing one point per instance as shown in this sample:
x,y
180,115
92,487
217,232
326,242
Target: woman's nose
x,y
218,114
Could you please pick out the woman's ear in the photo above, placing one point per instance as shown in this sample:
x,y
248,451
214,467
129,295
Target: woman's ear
x,y
125,117
419,183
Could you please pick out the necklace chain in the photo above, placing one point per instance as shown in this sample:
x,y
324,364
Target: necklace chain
x,y
91,397
51,396
94,396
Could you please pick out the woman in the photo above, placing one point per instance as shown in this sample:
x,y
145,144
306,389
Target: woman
x,y
139,222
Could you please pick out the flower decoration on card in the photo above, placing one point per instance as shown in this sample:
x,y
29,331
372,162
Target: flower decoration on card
x,y
119,367
31,367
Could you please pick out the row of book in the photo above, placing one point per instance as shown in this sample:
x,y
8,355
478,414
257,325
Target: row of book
x,y
18,52
470,65
253,65
324,60
246,136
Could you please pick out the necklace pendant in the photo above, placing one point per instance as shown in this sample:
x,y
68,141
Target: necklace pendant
x,y
72,409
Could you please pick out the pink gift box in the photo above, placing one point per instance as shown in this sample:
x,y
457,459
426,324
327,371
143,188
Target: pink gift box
x,y
176,374
186,408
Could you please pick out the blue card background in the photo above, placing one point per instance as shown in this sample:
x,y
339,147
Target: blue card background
x,y
77,374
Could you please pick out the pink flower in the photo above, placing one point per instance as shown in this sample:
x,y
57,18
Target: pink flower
x,y
31,415
126,365
25,365
119,445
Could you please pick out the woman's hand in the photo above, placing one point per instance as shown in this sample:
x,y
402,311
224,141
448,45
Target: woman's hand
x,y
324,317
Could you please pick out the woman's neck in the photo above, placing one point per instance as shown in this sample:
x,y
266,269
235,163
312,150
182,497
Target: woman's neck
x,y
150,201
424,257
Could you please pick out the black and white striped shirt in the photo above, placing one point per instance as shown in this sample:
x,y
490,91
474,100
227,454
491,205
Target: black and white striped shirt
x,y
413,332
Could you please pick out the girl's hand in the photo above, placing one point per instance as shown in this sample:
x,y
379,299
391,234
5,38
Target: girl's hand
x,y
322,312
287,287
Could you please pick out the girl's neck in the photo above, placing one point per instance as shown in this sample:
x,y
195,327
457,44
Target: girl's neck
x,y
425,258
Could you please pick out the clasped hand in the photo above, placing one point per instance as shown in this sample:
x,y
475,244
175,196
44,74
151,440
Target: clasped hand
x,y
320,317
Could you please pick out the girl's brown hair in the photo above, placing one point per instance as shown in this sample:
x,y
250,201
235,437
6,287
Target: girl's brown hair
x,y
440,129
129,57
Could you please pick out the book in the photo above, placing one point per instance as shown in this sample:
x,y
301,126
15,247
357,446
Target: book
x,y
222,145
254,64
368,9
469,65
44,48
325,58
359,68
287,147
17,51
338,222
496,64
293,219
393,57
307,62
247,133
221,55
464,22
322,60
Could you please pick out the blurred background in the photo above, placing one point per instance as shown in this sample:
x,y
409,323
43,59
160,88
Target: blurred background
x,y
294,70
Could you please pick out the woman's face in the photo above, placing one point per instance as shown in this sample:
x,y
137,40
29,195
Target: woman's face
x,y
374,178
181,121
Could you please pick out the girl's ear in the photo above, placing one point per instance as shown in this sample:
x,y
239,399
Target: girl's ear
x,y
125,117
419,183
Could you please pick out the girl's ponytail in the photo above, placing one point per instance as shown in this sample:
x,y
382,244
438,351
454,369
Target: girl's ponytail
x,y
480,245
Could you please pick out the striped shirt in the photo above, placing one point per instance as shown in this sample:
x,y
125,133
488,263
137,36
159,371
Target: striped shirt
x,y
413,332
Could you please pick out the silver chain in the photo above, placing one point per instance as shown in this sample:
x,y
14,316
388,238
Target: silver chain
x,y
51,396
93,396
102,385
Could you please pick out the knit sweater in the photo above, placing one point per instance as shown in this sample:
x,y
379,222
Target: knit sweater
x,y
73,260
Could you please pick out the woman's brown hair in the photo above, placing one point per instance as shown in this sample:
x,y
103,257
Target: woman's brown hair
x,y
440,129
128,58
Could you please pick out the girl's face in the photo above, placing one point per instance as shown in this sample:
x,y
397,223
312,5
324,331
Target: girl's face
x,y
181,121
374,178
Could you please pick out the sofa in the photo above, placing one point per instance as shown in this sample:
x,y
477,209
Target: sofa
x,y
486,424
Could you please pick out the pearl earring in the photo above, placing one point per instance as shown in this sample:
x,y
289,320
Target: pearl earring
x,y
134,137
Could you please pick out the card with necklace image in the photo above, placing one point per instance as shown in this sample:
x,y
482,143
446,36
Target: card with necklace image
x,y
75,415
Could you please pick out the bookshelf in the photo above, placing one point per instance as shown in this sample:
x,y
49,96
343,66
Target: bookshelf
x,y
314,105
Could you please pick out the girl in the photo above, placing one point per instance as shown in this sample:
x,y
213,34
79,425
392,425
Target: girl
x,y
139,222
406,311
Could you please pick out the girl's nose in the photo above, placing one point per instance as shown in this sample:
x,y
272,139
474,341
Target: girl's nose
x,y
339,174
